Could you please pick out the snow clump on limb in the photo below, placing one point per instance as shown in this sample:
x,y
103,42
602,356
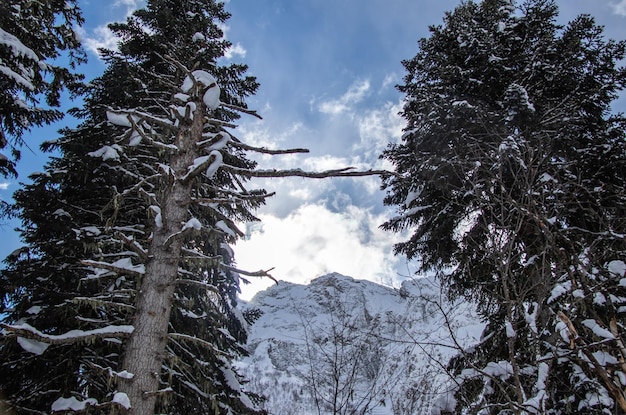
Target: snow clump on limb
x,y
203,79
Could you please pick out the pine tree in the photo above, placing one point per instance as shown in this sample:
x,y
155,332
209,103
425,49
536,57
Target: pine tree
x,y
510,177
96,221
32,36
124,298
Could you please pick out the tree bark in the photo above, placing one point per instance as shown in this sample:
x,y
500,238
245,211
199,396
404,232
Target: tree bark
x,y
145,350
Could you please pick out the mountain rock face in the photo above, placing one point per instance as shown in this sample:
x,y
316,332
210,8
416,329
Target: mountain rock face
x,y
345,346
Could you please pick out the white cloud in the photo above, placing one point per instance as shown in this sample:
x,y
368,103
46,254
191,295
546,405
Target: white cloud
x,y
391,80
235,50
619,8
100,37
378,127
131,5
256,134
4,185
312,241
355,94
325,162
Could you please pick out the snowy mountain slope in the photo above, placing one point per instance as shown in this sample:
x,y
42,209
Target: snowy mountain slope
x,y
345,346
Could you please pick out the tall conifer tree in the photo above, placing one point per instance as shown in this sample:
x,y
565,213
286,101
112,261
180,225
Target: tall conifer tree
x,y
124,298
510,178
136,207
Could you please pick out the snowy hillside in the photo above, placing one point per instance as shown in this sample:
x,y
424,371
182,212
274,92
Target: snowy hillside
x,y
354,347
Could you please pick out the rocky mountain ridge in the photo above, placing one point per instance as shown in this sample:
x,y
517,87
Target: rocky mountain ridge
x,y
345,346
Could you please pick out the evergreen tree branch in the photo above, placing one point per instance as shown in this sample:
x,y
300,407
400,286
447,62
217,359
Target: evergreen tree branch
x,y
195,283
198,341
112,267
134,246
71,337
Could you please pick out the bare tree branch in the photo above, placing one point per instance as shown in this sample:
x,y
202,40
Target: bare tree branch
x,y
261,273
343,172
265,150
241,109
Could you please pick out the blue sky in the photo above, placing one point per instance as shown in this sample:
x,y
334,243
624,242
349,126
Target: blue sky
x,y
327,72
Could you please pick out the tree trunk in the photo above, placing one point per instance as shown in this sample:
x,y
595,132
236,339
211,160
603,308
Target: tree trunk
x,y
145,350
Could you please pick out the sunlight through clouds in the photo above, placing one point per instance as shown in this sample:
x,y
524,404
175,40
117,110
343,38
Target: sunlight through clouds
x,y
235,50
312,241
99,38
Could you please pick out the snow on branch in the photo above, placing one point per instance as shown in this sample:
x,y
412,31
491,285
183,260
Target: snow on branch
x,y
122,266
128,118
76,406
170,148
134,245
577,342
211,163
235,194
72,336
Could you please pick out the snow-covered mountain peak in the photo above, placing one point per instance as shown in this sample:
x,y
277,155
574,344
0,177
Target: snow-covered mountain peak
x,y
341,344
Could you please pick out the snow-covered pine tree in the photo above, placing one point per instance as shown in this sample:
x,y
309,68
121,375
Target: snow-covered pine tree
x,y
124,297
33,34
511,179
99,219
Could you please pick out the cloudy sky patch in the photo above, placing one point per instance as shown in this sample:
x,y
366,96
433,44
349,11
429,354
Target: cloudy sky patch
x,y
327,72
312,241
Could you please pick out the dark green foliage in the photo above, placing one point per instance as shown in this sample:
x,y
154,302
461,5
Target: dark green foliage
x,y
511,182
33,34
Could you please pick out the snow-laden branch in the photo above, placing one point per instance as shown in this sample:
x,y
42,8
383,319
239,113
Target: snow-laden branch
x,y
577,342
72,336
135,128
235,194
123,266
211,163
134,245
191,225
126,118
343,172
